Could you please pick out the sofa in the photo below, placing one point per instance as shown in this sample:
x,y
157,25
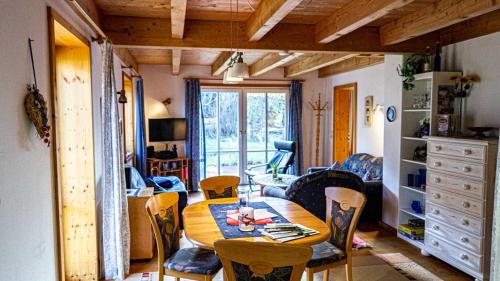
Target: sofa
x,y
135,183
361,172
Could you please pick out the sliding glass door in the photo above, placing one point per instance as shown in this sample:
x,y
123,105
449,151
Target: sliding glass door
x,y
240,128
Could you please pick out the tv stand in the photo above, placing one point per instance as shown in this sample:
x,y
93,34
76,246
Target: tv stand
x,y
178,167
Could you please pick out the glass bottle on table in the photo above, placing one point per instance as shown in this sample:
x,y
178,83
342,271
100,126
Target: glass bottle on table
x,y
244,195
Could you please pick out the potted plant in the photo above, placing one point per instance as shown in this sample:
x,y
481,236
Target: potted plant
x,y
408,71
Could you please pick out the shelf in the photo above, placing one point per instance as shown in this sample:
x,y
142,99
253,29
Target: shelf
x,y
414,189
412,213
414,162
417,110
417,243
415,138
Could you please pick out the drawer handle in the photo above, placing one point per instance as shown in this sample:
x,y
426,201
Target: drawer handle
x,y
437,195
466,204
435,243
466,169
437,180
435,227
467,151
465,222
437,164
467,186
464,257
438,148
435,212
464,239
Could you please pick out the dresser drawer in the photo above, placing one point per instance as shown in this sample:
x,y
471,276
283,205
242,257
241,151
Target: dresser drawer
x,y
460,150
463,185
455,201
459,255
454,236
455,166
455,218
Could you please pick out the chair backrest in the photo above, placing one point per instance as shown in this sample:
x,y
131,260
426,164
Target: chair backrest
x,y
283,157
343,209
308,190
243,260
164,217
220,187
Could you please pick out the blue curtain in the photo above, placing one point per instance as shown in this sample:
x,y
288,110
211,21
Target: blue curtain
x,y
295,124
140,131
195,139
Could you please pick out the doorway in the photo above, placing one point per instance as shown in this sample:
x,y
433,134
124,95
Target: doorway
x,y
73,150
344,121
241,126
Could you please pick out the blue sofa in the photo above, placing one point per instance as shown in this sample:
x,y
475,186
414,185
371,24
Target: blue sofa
x,y
135,183
361,172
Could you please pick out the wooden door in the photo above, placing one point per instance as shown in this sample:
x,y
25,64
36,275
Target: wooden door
x,y
344,120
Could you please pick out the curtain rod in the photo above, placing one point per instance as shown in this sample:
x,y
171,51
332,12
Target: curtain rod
x,y
88,19
246,80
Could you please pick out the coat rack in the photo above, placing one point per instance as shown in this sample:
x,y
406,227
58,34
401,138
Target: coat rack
x,y
318,108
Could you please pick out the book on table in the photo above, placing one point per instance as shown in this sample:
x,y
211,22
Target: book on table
x,y
284,232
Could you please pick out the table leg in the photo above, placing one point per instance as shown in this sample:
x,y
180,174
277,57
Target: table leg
x,y
262,190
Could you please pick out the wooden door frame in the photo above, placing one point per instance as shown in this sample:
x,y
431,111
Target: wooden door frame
x,y
125,75
354,110
52,17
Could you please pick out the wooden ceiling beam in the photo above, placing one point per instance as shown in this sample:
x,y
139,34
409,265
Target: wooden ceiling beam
x,y
267,15
176,61
441,14
126,57
221,63
349,65
132,32
270,62
353,15
178,17
479,26
314,62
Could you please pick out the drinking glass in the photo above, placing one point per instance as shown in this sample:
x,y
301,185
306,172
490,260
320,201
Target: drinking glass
x,y
246,219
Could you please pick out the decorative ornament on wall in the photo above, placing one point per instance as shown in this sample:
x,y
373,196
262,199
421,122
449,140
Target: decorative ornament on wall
x,y
36,107
368,110
391,113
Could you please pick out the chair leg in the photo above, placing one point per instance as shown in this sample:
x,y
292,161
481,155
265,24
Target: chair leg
x,y
326,275
310,274
161,273
224,275
177,279
348,271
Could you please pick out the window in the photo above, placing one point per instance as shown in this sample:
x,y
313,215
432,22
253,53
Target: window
x,y
240,128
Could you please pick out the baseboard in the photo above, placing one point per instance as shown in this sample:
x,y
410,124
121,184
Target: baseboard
x,y
388,228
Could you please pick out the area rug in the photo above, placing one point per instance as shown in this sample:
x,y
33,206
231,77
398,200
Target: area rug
x,y
382,267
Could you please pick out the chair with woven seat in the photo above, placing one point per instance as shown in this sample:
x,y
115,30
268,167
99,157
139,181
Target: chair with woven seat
x,y
343,209
190,263
220,187
261,261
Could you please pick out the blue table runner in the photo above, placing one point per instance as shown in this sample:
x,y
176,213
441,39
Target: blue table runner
x,y
231,231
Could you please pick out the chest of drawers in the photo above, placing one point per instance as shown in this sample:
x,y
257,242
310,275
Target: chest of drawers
x,y
459,207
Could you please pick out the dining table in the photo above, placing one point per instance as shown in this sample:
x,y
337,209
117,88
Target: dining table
x,y
201,228
281,181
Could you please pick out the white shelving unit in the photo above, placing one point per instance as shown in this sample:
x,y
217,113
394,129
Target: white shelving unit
x,y
429,83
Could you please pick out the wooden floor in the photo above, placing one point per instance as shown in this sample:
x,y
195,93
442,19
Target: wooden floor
x,y
382,240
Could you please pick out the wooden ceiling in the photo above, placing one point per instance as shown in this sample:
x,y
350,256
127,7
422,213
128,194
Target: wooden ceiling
x,y
300,35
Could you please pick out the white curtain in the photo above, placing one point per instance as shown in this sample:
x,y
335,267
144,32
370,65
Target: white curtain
x,y
115,228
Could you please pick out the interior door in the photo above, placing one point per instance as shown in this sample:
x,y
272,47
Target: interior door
x,y
344,116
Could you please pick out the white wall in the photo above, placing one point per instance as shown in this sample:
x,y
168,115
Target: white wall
x,y
26,188
480,56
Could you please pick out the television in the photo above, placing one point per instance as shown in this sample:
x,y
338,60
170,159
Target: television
x,y
167,129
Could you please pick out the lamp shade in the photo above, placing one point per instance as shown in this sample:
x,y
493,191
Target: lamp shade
x,y
240,70
229,78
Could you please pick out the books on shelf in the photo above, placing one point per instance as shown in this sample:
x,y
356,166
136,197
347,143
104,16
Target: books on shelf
x,y
284,232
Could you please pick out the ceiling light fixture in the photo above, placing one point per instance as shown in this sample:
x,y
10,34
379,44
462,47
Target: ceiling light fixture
x,y
237,69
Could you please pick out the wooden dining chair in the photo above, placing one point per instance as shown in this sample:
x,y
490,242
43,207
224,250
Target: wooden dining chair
x,y
343,208
189,263
245,261
220,187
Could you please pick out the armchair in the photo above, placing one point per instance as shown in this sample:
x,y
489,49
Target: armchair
x,y
283,157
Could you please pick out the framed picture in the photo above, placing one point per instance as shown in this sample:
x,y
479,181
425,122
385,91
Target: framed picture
x,y
368,110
